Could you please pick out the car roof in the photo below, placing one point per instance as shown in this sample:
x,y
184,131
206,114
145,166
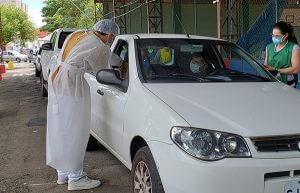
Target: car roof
x,y
66,30
160,35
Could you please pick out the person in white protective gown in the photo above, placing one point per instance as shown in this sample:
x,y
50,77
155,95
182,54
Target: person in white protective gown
x,y
68,113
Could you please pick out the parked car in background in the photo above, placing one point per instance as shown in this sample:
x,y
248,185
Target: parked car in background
x,y
31,55
196,114
14,56
50,54
37,62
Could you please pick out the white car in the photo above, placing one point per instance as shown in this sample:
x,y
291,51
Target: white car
x,y
14,56
37,62
225,126
49,55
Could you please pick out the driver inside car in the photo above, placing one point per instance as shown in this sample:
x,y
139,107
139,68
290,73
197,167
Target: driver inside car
x,y
198,65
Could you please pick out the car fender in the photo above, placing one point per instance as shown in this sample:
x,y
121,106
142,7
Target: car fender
x,y
149,117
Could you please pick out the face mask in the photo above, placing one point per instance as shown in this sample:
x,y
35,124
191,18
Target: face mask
x,y
108,44
277,40
194,67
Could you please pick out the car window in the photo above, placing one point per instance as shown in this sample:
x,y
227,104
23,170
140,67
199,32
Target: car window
x,y
190,60
53,39
122,51
63,36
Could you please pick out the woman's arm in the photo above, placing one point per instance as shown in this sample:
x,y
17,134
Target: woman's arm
x,y
295,68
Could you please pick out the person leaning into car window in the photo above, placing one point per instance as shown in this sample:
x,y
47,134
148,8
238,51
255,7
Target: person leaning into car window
x,y
198,65
283,55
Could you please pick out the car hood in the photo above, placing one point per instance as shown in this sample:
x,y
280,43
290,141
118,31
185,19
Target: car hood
x,y
247,109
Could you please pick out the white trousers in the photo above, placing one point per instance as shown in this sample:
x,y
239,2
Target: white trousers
x,y
71,176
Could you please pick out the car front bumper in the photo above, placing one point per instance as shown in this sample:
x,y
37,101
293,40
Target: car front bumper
x,y
180,172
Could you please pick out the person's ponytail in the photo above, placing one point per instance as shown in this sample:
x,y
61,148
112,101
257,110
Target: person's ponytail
x,y
292,37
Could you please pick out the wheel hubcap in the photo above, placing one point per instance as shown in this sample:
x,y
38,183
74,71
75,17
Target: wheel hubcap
x,y
142,179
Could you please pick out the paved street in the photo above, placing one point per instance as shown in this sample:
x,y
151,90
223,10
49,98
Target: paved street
x,y
22,142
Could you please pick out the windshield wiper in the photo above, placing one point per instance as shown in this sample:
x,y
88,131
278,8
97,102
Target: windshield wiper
x,y
188,76
228,72
233,72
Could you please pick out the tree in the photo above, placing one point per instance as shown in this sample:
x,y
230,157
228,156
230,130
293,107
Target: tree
x,y
16,25
67,14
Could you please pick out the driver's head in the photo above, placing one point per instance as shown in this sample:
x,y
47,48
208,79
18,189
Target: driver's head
x,y
144,53
199,60
198,64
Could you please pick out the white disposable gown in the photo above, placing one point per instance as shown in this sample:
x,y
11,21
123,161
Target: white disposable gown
x,y
68,113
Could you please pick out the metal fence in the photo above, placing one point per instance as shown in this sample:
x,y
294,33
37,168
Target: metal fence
x,y
247,22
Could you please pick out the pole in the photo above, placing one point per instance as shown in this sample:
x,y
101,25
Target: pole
x,y
276,11
1,37
114,10
148,16
219,24
229,28
195,19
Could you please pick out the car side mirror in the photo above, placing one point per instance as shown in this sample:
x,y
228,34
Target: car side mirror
x,y
47,46
110,77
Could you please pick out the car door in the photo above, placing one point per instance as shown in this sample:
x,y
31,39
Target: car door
x,y
46,57
107,107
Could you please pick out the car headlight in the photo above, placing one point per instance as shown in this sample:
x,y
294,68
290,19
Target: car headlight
x,y
209,145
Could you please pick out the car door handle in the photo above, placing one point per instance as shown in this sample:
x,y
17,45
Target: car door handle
x,y
100,92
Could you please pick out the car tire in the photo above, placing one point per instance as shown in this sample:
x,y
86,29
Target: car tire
x,y
93,144
37,73
18,60
44,92
143,158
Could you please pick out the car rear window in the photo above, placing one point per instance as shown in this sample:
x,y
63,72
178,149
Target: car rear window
x,y
63,36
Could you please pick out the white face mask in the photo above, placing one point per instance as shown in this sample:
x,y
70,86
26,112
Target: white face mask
x,y
194,67
108,44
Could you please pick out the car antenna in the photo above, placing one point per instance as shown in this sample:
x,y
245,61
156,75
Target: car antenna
x,y
187,35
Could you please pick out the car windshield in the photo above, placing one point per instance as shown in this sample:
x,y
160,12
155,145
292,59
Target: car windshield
x,y
190,60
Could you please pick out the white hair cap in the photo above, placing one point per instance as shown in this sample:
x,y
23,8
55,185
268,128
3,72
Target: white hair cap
x,y
107,26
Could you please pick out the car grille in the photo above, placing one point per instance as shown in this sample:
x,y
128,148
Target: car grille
x,y
282,174
276,144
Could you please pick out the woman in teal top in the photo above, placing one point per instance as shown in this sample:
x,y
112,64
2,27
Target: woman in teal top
x,y
283,55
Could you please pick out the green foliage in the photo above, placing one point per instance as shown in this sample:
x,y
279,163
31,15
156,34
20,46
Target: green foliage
x,y
64,14
16,25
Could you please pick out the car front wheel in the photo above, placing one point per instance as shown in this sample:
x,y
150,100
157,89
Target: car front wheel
x,y
43,89
37,72
18,60
144,173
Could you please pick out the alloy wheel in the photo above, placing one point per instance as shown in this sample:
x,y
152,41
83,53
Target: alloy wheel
x,y
142,179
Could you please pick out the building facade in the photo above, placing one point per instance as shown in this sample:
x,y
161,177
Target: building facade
x,y
17,3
